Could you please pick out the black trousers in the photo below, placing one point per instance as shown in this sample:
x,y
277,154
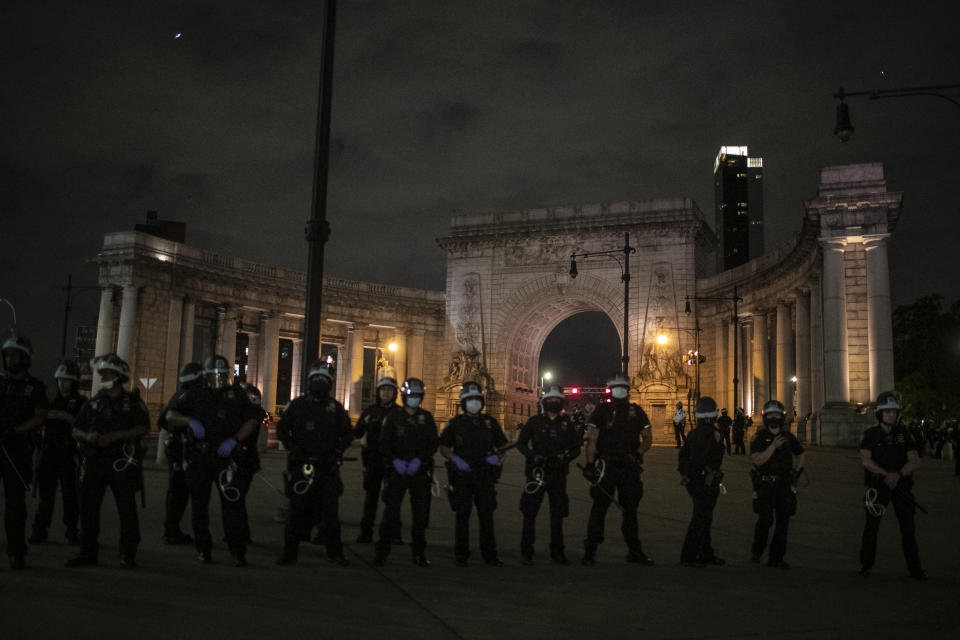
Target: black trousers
x,y
679,434
96,475
774,502
57,466
14,472
726,440
202,474
373,473
394,489
624,481
310,503
555,488
696,545
903,507
738,445
474,488
178,494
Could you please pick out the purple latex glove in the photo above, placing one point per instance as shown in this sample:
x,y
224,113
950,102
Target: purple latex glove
x,y
400,466
226,447
197,427
492,459
413,466
460,463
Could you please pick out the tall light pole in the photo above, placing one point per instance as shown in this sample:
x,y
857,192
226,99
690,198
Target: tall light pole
x,y
625,278
736,299
844,127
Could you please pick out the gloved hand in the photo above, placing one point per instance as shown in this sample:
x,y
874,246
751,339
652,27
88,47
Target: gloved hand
x,y
590,472
460,463
492,459
413,466
400,466
226,447
197,427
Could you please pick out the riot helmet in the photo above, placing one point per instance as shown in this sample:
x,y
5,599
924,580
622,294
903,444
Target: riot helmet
x,y
619,387
67,376
679,406
552,401
113,370
471,397
216,369
773,413
887,401
706,411
253,393
386,390
17,354
412,392
190,375
723,412
320,379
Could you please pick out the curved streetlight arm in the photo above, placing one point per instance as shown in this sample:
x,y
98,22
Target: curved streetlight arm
x,y
878,94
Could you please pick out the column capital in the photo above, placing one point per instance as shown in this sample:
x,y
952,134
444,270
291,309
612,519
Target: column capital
x,y
875,241
833,244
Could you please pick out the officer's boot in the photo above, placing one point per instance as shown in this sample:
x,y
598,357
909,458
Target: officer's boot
x,y
589,554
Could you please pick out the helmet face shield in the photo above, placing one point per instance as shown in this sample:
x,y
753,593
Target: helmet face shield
x,y
216,371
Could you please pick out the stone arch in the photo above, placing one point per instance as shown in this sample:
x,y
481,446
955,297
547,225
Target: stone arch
x,y
534,309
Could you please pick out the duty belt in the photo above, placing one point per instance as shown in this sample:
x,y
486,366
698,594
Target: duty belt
x,y
771,478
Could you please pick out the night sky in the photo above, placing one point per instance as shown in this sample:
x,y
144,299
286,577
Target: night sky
x,y
445,107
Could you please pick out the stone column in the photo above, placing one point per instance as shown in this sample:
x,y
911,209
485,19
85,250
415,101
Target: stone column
x,y
297,370
342,374
186,336
745,335
415,354
227,338
761,380
270,360
816,348
803,353
128,324
104,332
879,319
784,388
400,356
355,381
731,331
835,367
720,364
171,372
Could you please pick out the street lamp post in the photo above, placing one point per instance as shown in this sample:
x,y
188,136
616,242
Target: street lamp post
x,y
844,128
736,299
625,278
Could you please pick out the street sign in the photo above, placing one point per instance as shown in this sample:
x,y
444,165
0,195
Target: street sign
x,y
148,382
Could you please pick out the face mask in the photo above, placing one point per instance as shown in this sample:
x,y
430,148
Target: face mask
x,y
473,406
620,393
108,384
553,406
319,387
413,402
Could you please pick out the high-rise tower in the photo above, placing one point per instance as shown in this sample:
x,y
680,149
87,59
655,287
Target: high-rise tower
x,y
738,203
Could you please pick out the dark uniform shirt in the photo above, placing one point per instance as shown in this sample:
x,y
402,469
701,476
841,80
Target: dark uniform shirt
x,y
19,398
473,438
724,423
408,436
58,434
889,450
558,440
222,412
702,451
781,462
620,425
315,429
371,423
103,414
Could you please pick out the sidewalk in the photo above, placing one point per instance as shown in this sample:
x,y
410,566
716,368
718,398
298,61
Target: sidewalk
x,y
171,597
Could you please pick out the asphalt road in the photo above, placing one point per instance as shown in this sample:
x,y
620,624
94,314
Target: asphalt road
x,y
170,596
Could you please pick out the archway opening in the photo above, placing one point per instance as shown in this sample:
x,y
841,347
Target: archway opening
x,y
582,352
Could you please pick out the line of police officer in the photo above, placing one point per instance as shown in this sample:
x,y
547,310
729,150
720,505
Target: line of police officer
x,y
214,425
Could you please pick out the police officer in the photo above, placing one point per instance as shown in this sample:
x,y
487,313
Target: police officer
x,y
724,423
407,444
178,493
739,432
369,425
889,457
549,441
618,435
248,455
778,461
679,424
472,442
23,407
58,450
215,418
699,467
316,430
109,428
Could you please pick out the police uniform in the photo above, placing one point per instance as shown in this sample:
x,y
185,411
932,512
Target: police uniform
x,y
178,493
548,445
58,465
370,424
620,426
222,412
407,437
739,433
19,399
724,422
118,466
679,424
774,494
316,431
474,438
699,461
889,451
247,458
